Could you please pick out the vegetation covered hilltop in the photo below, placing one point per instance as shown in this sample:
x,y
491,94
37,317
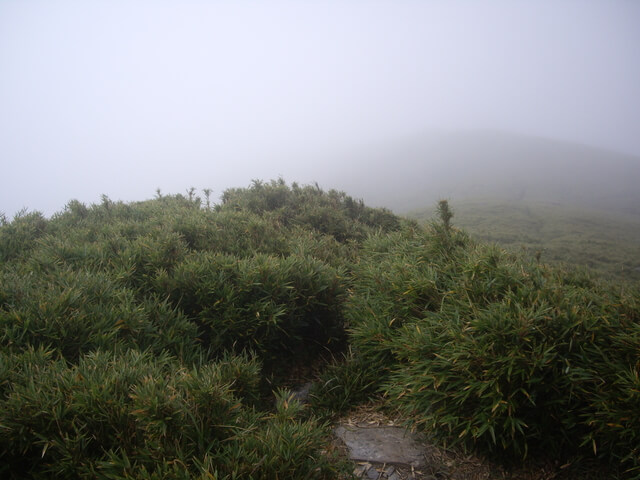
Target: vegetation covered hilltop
x,y
144,340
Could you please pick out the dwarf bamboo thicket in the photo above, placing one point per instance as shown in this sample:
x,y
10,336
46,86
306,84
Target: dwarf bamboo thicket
x,y
146,340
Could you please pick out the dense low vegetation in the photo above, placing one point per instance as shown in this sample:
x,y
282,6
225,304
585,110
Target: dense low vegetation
x,y
147,340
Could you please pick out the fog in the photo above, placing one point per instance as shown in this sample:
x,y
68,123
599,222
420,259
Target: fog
x,y
415,172
124,97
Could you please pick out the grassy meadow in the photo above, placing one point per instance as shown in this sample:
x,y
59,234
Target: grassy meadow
x,y
160,339
606,242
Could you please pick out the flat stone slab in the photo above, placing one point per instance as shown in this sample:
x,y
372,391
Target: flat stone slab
x,y
390,445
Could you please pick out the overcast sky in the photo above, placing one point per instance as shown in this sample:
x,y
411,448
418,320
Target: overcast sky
x,y
123,97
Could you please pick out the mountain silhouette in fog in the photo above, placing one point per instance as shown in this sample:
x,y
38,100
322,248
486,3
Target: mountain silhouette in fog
x,y
414,172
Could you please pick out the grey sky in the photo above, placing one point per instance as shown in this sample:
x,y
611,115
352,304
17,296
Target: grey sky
x,y
122,97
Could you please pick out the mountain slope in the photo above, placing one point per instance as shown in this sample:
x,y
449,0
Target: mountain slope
x,y
414,172
606,242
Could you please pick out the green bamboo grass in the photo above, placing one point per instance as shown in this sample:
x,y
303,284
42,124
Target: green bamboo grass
x,y
146,340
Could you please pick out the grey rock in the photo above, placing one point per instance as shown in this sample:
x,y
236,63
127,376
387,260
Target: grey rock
x,y
373,474
382,445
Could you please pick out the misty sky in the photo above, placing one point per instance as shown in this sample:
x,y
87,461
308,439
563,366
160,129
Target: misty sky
x,y
123,97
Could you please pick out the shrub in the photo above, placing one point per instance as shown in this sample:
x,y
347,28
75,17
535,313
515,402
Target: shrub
x,y
71,312
240,233
76,312
19,236
395,282
274,306
138,415
282,445
144,257
348,381
515,358
330,213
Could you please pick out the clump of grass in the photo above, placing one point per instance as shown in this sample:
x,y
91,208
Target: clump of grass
x,y
76,312
346,382
274,306
19,236
134,414
282,444
499,354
